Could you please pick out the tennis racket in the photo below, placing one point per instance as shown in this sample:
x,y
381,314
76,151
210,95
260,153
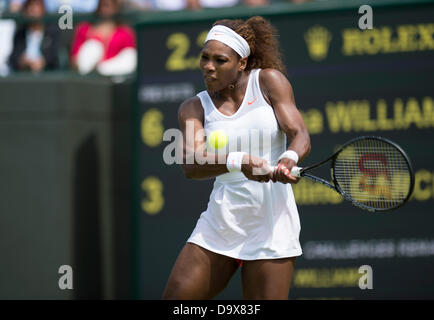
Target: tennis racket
x,y
373,173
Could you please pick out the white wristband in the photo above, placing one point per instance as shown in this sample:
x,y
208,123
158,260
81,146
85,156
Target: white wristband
x,y
234,161
291,154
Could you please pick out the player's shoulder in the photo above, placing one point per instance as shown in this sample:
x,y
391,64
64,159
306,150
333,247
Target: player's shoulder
x,y
270,74
191,107
270,78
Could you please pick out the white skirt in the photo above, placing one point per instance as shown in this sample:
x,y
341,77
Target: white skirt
x,y
249,220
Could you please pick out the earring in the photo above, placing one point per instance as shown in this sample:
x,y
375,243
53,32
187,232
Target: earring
x,y
231,86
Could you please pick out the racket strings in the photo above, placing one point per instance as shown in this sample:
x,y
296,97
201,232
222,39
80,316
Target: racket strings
x,y
374,173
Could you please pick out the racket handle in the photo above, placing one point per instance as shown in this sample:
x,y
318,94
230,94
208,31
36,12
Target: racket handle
x,y
295,171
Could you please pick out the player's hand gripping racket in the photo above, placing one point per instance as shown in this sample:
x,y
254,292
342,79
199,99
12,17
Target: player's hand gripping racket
x,y
373,173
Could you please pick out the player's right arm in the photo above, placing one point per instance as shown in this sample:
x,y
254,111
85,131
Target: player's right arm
x,y
191,119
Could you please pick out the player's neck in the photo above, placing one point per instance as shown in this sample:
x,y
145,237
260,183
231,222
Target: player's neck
x,y
236,90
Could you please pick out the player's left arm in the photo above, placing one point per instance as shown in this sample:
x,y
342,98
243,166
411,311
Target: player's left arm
x,y
277,90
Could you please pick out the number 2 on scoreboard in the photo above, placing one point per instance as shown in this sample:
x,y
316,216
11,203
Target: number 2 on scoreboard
x,y
179,44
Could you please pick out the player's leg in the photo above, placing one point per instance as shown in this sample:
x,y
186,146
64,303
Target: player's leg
x,y
267,279
199,274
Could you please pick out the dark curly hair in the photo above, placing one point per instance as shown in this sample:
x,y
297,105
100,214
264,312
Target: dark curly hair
x,y
262,39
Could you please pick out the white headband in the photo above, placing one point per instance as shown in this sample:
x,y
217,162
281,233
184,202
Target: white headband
x,y
230,38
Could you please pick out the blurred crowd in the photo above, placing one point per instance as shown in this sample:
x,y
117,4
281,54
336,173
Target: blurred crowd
x,y
105,45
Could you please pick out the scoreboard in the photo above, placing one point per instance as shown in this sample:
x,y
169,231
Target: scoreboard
x,y
347,82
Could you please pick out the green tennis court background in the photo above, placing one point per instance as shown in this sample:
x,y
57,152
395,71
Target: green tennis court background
x,y
347,82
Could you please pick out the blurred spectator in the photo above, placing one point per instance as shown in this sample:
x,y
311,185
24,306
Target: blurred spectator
x,y
218,3
169,5
193,5
106,46
173,5
15,5
35,45
143,5
7,30
52,6
255,3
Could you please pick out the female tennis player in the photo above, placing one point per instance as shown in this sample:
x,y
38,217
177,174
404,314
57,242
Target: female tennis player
x,y
251,218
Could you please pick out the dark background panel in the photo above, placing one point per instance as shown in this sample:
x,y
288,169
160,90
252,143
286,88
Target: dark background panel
x,y
354,237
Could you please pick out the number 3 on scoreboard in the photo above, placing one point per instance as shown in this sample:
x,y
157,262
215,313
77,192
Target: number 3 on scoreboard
x,y
179,43
154,201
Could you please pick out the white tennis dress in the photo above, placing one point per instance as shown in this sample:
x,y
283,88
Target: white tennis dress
x,y
245,219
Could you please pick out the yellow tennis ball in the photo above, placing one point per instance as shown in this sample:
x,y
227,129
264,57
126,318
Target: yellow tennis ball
x,y
218,139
